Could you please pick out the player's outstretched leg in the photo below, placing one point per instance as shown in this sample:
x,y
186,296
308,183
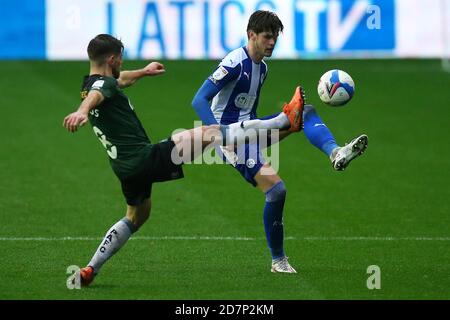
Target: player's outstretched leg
x,y
342,156
291,118
191,143
321,137
317,132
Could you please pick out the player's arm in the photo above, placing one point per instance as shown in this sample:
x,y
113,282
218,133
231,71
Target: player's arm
x,y
80,117
223,75
129,77
201,102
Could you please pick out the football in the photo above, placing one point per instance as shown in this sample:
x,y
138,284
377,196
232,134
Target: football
x,y
336,88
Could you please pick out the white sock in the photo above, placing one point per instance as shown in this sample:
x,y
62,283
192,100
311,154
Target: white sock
x,y
279,122
114,239
239,131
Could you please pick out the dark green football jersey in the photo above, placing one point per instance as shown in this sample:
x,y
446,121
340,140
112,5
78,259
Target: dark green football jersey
x,y
117,127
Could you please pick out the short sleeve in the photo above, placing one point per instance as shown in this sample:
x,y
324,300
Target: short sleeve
x,y
224,74
107,86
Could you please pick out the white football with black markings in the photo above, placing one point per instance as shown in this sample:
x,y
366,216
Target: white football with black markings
x,y
336,88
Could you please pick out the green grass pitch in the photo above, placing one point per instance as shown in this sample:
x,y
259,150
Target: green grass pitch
x,y
389,208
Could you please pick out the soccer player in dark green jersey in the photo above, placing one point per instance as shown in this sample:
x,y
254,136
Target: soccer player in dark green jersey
x,y
134,159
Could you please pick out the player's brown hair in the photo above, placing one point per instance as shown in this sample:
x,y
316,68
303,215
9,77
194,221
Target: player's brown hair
x,y
263,21
102,46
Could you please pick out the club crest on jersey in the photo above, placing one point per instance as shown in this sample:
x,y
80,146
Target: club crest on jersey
x,y
244,101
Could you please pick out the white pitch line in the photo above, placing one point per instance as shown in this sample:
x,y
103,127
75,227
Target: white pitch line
x,y
213,238
376,238
219,238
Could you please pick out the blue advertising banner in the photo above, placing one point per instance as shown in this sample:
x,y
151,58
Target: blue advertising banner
x,y
345,25
22,29
208,29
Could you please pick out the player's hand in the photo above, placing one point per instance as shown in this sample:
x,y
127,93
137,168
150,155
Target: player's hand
x,y
74,120
154,69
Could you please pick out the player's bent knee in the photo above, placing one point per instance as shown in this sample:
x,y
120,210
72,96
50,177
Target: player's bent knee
x,y
211,134
276,192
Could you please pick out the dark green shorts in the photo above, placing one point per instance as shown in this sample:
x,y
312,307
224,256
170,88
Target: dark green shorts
x,y
158,167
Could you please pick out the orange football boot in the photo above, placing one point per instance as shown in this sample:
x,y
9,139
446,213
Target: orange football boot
x,y
86,276
294,110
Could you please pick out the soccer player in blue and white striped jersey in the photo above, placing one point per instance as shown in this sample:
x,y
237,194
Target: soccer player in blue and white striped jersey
x,y
231,94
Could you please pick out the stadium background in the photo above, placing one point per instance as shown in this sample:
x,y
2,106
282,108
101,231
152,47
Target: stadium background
x,y
205,237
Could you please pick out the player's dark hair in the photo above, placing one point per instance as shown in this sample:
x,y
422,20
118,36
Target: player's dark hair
x,y
102,46
264,21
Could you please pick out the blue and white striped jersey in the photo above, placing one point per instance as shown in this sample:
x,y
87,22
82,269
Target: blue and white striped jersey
x,y
239,81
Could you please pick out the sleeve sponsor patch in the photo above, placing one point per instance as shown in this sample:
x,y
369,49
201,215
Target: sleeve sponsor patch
x,y
98,84
219,73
